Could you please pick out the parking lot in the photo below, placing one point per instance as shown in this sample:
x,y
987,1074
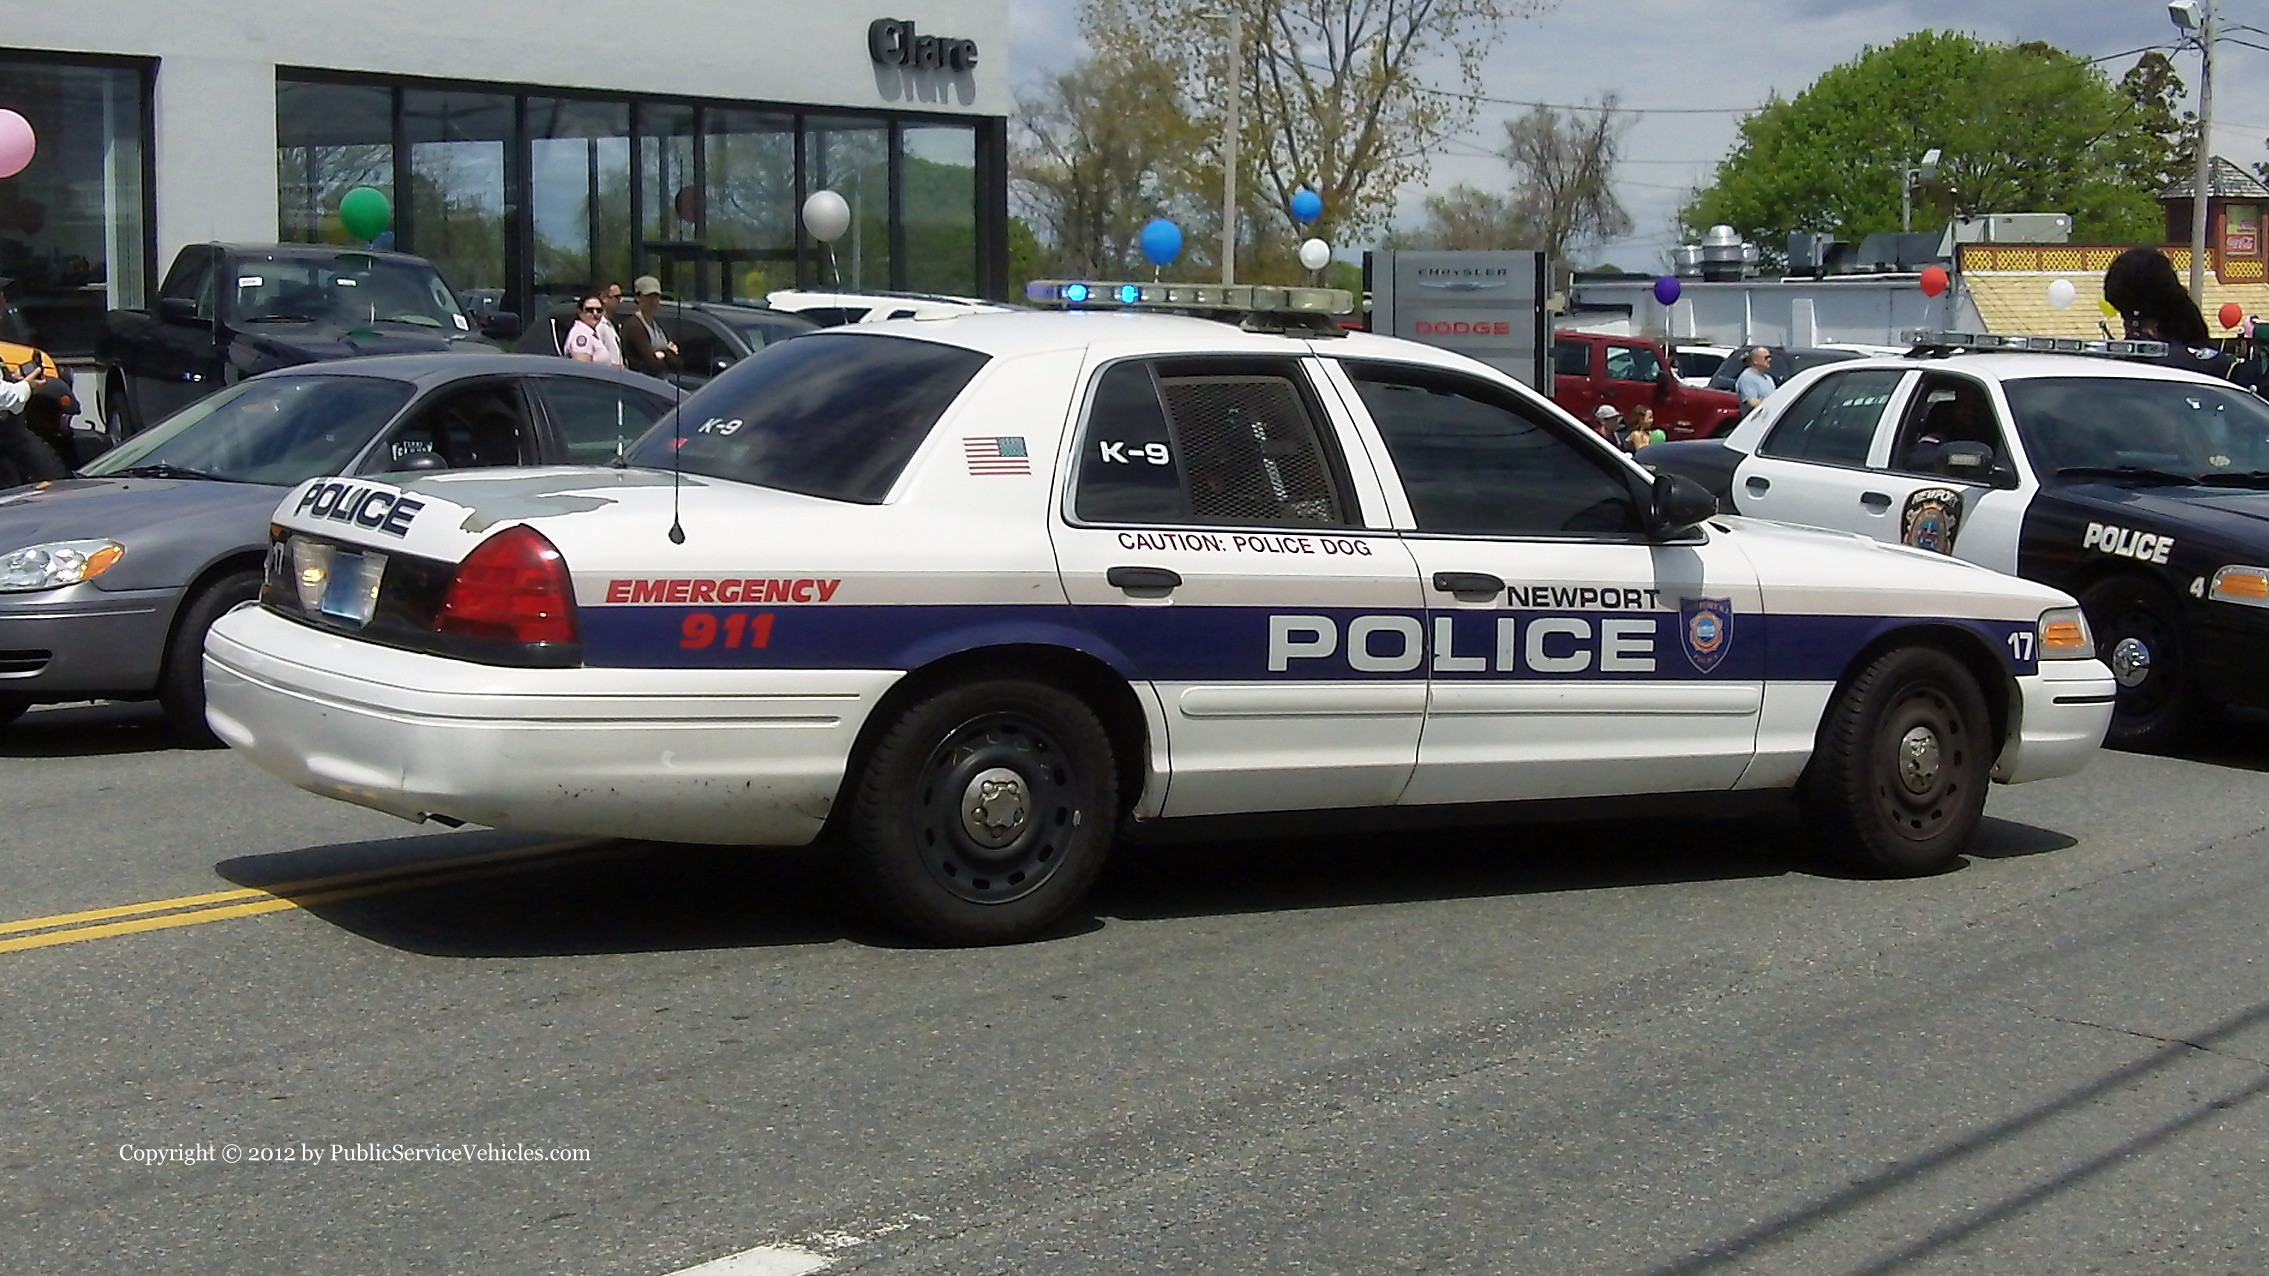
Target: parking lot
x,y
1653,1046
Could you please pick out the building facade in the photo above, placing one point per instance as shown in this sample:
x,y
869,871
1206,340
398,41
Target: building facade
x,y
528,150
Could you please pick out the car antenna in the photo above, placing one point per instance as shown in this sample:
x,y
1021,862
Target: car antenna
x,y
677,433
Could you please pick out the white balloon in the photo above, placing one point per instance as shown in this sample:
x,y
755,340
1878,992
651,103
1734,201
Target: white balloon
x,y
2061,293
1315,254
826,216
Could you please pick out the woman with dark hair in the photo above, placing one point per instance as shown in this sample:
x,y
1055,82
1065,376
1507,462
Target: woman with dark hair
x,y
2142,286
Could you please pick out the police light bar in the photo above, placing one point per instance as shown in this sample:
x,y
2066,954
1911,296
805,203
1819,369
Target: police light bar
x,y
1929,341
1099,294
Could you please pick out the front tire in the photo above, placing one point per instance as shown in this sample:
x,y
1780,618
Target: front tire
x,y
1897,781
983,812
181,688
2138,636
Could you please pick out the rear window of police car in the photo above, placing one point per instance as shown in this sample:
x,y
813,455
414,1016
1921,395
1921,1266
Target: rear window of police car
x,y
831,415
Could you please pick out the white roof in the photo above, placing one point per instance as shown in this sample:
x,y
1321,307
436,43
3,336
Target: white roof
x,y
2020,366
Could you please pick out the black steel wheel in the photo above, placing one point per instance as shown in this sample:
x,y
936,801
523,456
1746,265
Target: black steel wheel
x,y
181,686
2138,636
1898,777
983,812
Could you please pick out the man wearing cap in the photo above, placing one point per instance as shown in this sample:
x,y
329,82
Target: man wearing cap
x,y
646,348
1608,423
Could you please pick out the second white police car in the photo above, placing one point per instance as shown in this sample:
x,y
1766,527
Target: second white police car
x,y
972,598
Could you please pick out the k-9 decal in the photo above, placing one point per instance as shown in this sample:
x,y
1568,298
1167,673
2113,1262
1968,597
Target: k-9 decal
x,y
1121,452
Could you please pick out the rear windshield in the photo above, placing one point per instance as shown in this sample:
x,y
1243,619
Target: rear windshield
x,y
833,415
280,429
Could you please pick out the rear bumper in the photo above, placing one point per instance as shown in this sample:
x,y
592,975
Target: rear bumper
x,y
738,757
2060,721
81,641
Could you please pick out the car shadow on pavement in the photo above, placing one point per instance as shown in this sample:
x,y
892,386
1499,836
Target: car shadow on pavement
x,y
100,729
489,894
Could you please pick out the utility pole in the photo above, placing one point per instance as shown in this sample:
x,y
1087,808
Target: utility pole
x,y
2204,182
1229,147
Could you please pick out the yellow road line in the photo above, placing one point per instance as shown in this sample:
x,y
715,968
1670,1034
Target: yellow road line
x,y
217,906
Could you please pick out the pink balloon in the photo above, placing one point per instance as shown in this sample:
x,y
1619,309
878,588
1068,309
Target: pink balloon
x,y
17,145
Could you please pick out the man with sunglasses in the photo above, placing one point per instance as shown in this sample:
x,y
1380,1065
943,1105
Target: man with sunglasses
x,y
591,339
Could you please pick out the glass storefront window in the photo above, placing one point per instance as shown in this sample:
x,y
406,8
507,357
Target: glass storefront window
x,y
749,201
458,217
852,158
938,193
579,191
73,233
669,218
330,138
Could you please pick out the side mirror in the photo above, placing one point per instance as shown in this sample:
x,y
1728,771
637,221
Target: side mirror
x,y
1679,504
420,462
181,310
501,325
1970,462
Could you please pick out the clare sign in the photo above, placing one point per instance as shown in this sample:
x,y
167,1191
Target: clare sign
x,y
895,42
1489,305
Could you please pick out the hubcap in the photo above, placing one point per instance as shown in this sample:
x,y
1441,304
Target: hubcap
x,y
994,807
1918,759
2131,661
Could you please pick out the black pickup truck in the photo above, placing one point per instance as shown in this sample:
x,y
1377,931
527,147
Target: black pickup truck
x,y
230,311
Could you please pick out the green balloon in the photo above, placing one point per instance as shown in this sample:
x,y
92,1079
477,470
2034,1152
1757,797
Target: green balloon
x,y
366,212
1658,436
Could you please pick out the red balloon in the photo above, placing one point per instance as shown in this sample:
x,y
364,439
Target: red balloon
x,y
1934,280
2233,314
688,203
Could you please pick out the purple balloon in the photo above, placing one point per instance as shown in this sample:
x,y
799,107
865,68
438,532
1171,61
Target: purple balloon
x,y
1666,290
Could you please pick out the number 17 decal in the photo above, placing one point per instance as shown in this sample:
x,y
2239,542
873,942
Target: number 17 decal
x,y
2021,645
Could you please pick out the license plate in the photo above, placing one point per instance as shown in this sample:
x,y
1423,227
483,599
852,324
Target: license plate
x,y
352,592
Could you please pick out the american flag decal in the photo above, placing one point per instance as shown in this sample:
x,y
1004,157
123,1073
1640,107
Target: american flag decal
x,y
1003,455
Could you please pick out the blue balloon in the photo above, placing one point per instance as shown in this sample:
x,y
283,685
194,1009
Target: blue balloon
x,y
1307,205
1161,242
1666,289
384,243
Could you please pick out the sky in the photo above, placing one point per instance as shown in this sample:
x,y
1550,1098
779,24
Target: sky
x,y
1722,57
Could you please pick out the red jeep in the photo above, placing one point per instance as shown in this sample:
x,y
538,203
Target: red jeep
x,y
1591,368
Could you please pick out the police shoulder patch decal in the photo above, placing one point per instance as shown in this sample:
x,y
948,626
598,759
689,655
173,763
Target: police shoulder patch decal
x,y
1705,628
1932,519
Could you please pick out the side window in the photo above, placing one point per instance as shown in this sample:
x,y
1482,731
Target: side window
x,y
1206,442
192,279
1476,458
1571,358
1946,410
1834,423
1633,363
469,428
699,349
597,420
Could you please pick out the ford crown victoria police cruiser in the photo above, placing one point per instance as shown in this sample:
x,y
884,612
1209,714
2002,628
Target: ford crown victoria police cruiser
x,y
969,598
2141,489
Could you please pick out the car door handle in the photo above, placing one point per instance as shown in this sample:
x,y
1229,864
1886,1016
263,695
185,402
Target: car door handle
x,y
1758,486
1144,579
1463,583
1876,502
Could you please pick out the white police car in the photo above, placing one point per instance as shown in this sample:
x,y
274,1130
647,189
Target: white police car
x,y
972,597
2140,488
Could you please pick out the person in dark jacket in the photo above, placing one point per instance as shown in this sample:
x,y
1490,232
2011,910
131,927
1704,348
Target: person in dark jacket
x,y
2142,286
645,347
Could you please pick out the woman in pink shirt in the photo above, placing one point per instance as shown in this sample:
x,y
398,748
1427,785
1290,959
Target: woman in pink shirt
x,y
585,343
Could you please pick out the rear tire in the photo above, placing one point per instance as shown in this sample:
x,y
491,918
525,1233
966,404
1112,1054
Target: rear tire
x,y
181,686
117,412
1897,781
2137,634
983,813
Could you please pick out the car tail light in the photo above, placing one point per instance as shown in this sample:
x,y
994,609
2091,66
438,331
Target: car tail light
x,y
513,587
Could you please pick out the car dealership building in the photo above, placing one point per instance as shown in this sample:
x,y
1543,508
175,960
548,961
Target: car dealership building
x,y
528,150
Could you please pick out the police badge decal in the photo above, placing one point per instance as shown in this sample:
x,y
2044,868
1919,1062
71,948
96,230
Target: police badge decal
x,y
1931,519
1705,626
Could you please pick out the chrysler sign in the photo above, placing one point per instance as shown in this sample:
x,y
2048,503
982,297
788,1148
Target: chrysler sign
x,y
1489,305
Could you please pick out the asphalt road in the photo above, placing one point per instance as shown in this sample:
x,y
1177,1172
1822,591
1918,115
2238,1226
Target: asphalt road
x,y
1644,1047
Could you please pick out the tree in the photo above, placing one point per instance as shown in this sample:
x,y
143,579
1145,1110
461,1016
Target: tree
x,y
2162,142
1465,217
1564,175
2023,127
1337,95
1101,149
